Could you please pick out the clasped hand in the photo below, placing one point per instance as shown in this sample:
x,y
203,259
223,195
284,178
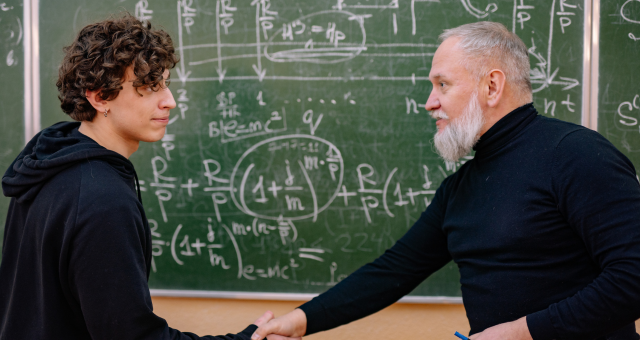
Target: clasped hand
x,y
291,326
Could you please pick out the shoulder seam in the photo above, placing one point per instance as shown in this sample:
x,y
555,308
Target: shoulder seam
x,y
577,129
554,166
555,161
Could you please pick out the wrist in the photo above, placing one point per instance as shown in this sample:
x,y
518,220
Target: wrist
x,y
524,328
300,319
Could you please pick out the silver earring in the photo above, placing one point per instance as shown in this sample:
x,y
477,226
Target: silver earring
x,y
105,112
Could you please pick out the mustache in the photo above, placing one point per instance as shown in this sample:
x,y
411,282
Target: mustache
x,y
438,114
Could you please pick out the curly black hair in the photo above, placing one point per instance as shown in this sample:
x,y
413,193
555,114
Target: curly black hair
x,y
100,55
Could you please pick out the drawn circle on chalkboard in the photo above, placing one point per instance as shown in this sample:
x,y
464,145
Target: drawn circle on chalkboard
x,y
625,14
325,37
282,178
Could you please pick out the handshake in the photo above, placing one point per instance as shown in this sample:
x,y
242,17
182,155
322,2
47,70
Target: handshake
x,y
291,326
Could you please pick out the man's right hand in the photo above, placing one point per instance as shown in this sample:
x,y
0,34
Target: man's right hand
x,y
293,324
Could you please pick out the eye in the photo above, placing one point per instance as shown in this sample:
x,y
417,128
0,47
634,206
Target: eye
x,y
153,88
441,84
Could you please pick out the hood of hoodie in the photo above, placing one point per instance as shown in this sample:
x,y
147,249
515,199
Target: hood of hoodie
x,y
51,151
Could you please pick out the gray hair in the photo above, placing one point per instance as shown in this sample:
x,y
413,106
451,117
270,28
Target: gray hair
x,y
489,45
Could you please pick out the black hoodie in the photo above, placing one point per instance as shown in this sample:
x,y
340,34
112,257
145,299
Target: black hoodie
x,y
77,246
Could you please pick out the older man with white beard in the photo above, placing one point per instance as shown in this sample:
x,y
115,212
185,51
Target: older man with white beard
x,y
543,223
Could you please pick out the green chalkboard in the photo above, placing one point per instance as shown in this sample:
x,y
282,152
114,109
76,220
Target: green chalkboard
x,y
300,149
11,90
619,69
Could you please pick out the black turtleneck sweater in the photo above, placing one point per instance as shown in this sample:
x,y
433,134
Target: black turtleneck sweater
x,y
77,246
544,222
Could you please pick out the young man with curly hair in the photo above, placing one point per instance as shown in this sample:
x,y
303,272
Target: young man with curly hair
x,y
77,247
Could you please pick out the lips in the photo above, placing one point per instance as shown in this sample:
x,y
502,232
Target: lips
x,y
162,119
441,123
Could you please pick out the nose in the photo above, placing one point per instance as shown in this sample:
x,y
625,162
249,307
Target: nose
x,y
432,103
168,102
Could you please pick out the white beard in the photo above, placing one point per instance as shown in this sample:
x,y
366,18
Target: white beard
x,y
461,134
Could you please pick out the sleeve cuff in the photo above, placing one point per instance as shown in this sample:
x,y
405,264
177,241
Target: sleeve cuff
x,y
540,326
315,316
248,332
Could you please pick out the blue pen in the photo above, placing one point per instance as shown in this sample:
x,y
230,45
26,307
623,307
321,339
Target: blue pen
x,y
461,336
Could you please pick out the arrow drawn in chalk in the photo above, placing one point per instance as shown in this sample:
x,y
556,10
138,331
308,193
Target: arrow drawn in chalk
x,y
182,76
221,72
181,70
259,72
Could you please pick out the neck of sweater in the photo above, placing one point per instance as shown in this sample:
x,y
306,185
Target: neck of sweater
x,y
504,130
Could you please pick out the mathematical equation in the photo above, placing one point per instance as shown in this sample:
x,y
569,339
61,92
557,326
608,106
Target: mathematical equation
x,y
258,175
338,34
278,181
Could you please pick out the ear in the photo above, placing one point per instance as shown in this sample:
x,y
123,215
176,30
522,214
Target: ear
x,y
98,103
495,82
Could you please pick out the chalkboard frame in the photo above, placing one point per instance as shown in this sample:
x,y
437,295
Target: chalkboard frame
x,y
593,82
31,69
589,112
284,296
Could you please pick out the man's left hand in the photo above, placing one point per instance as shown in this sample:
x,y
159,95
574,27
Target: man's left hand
x,y
515,330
